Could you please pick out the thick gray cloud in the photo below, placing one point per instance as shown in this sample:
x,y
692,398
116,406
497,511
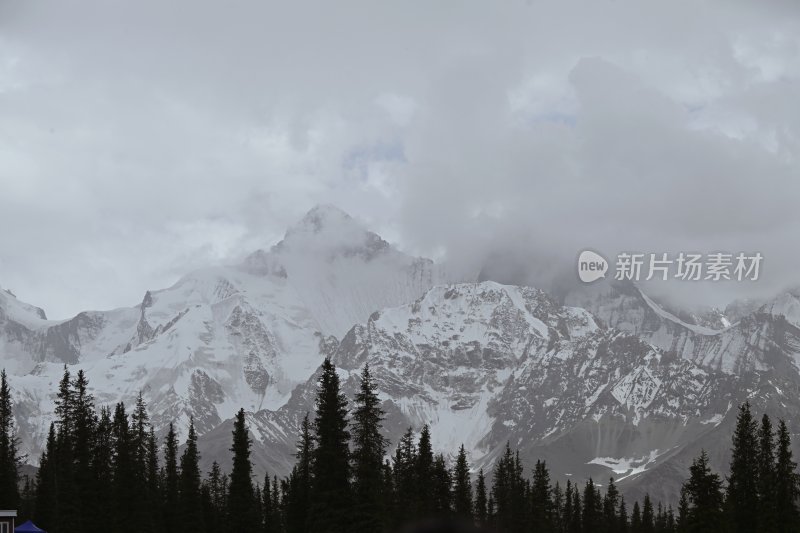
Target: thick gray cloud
x,y
139,140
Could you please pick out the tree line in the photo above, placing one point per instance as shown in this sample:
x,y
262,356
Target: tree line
x,y
104,470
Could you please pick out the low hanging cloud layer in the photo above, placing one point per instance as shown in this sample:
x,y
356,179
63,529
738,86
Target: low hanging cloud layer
x,y
140,140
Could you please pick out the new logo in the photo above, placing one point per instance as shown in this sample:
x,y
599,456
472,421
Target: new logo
x,y
591,266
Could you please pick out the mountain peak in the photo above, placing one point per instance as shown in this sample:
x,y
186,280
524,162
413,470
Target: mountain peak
x,y
331,231
324,215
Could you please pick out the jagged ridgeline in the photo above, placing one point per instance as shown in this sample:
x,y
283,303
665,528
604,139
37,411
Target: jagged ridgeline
x,y
600,381
105,470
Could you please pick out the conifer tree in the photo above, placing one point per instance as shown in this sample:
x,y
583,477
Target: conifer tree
x,y
170,482
69,514
558,509
648,517
636,518
277,504
592,507
129,515
424,473
63,407
660,522
152,479
405,478
9,461
569,512
269,514
140,457
576,525
481,512
766,475
462,486
703,492
611,507
213,499
442,484
299,483
389,495
541,498
508,492
787,517
670,526
46,507
217,488
622,516
242,512
259,510
27,499
102,464
331,502
369,447
742,493
190,511
683,511
209,515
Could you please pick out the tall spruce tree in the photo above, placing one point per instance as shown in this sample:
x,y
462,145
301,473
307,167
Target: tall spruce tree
x,y
592,518
214,498
9,460
703,492
190,509
424,473
462,486
611,503
622,516
568,513
558,508
405,479
299,484
242,511
84,420
130,513
576,525
541,499
742,493
69,513
481,513
140,437
787,517
648,516
636,518
389,496
46,507
369,448
170,481
766,475
277,504
153,480
508,492
683,511
331,502
442,484
102,479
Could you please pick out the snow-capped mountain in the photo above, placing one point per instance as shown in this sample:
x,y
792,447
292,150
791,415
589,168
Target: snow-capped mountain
x,y
220,338
484,364
606,382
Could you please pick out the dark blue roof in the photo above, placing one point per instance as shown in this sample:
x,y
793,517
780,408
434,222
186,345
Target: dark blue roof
x,y
28,527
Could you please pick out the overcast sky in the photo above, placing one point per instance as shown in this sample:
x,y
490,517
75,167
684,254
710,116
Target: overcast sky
x,y
140,140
